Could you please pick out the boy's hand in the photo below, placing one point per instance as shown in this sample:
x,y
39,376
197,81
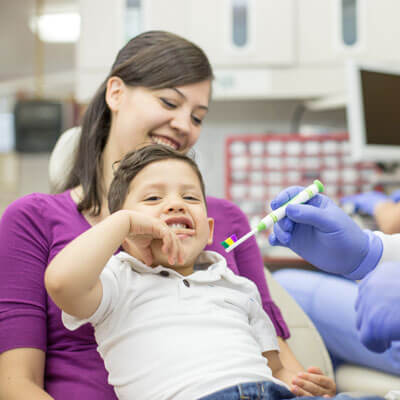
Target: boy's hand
x,y
144,229
313,383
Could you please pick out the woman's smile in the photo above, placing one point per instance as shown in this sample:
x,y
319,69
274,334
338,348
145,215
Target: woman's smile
x,y
166,141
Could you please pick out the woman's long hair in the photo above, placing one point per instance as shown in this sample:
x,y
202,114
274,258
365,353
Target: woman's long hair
x,y
154,59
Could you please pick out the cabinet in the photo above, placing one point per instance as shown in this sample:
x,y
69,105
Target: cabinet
x,y
321,27
269,37
287,49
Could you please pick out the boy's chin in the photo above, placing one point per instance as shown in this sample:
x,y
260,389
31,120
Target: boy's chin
x,y
162,259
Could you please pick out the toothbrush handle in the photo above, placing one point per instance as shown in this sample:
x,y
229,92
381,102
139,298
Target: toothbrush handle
x,y
269,220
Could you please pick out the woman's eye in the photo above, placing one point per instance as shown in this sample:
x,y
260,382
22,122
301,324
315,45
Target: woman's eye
x,y
197,121
168,103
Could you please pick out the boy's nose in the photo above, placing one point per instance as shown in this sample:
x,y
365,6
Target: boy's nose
x,y
176,208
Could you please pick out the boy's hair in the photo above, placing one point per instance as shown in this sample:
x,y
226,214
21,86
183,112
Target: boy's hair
x,y
134,162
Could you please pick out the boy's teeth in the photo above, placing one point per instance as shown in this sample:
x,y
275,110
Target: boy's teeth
x,y
177,226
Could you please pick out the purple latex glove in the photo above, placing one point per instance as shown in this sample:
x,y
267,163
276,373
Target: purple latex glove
x,y
378,307
395,196
366,202
325,236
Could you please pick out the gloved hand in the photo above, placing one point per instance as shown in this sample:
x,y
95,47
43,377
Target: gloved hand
x,y
395,196
366,202
324,235
377,306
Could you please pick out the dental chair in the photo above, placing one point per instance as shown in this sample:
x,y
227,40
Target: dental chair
x,y
305,341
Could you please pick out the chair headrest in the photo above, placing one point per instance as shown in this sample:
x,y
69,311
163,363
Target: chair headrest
x,y
62,157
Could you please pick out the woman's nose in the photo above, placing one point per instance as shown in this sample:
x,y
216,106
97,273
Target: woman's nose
x,y
181,123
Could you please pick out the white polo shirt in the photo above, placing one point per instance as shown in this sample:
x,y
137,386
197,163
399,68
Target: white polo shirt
x,y
167,336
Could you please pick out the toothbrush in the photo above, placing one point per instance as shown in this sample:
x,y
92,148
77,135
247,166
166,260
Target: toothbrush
x,y
273,217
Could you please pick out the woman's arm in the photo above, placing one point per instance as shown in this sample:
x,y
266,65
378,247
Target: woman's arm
x,y
23,256
287,357
310,383
387,217
279,371
21,374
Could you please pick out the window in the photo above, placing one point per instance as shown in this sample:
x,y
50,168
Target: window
x,y
133,21
240,19
349,22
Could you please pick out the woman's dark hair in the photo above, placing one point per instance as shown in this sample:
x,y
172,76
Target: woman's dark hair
x,y
134,162
154,59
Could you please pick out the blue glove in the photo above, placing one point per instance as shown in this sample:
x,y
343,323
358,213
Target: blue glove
x,y
377,306
321,233
366,202
395,196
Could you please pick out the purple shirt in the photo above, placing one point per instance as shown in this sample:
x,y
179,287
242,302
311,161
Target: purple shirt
x,y
33,230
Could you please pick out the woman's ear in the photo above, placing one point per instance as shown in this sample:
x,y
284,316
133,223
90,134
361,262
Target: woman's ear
x,y
114,92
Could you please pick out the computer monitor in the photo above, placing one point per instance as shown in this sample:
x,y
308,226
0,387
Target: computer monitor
x,y
373,112
38,124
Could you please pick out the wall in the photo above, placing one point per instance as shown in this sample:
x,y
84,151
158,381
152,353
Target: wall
x,y
239,117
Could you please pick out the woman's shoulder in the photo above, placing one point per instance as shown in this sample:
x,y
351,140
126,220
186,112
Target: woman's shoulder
x,y
217,206
37,205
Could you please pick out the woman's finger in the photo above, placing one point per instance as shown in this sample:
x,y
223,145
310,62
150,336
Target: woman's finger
x,y
298,391
316,382
309,387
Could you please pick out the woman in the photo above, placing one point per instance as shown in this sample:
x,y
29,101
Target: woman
x,y
158,91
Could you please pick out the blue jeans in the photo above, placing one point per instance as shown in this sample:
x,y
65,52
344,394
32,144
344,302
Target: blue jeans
x,y
266,391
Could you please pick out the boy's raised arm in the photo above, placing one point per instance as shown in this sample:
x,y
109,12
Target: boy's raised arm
x,y
72,277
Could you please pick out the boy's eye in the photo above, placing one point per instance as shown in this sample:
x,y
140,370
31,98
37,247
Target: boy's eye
x,y
168,103
191,198
152,198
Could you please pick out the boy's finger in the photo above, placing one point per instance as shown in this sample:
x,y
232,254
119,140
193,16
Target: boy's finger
x,y
181,253
173,254
167,242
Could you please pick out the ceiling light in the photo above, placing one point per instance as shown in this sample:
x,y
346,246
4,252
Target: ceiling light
x,y
57,28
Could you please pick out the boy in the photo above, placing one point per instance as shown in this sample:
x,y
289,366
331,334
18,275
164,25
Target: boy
x,y
165,329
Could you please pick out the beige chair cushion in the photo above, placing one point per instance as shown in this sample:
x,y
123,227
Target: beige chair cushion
x,y
305,341
62,156
353,378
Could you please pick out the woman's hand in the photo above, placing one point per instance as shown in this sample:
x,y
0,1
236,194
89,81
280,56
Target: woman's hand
x,y
144,230
313,383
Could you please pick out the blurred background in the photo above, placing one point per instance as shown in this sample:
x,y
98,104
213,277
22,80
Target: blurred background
x,y
286,72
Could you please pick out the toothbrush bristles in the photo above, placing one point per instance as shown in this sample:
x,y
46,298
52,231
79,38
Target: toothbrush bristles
x,y
241,240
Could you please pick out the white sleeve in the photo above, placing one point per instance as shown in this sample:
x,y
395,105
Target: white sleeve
x,y
109,282
261,324
391,246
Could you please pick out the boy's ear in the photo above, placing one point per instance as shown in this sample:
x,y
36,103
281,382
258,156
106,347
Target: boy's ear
x,y
114,92
211,229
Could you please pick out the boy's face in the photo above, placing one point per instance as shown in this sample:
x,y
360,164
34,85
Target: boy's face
x,y
170,190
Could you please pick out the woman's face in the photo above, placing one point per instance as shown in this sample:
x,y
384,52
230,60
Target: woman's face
x,y
141,116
